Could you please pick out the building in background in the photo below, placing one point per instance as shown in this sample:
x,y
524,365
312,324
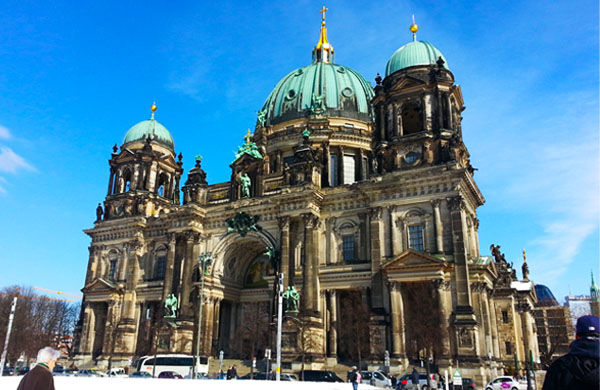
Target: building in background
x,y
367,194
554,328
583,305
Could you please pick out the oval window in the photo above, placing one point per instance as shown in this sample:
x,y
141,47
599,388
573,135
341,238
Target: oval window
x,y
291,94
411,158
347,92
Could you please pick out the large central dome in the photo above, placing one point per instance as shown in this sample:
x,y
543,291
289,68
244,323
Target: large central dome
x,y
343,91
322,87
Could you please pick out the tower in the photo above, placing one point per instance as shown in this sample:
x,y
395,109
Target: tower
x,y
595,297
144,176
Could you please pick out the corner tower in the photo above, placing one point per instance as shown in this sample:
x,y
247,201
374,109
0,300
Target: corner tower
x,y
144,176
418,110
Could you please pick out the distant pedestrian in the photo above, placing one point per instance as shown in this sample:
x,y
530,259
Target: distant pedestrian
x,y
414,377
354,378
579,369
40,376
394,381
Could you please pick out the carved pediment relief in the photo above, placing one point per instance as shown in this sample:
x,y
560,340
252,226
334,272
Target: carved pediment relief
x,y
411,259
101,285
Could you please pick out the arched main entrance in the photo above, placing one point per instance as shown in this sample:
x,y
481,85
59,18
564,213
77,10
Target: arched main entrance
x,y
246,279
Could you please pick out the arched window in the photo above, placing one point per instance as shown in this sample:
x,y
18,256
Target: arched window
x,y
127,180
411,118
112,266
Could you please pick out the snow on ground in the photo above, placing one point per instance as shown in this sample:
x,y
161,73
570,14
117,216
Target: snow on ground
x,y
75,383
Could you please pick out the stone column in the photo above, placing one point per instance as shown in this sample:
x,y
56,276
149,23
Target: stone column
x,y
92,264
88,330
333,323
443,290
397,314
439,110
310,287
448,112
169,268
215,327
377,253
391,216
330,246
284,227
188,264
375,219
382,122
341,166
459,238
494,326
111,181
476,233
399,121
439,228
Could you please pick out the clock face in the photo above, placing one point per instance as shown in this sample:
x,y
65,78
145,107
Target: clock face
x,y
411,158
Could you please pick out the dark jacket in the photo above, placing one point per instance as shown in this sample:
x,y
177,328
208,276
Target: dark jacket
x,y
353,376
577,370
38,378
414,376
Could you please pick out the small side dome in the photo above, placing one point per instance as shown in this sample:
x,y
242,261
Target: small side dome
x,y
545,296
152,129
417,53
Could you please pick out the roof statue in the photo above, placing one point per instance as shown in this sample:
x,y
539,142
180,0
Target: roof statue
x,y
243,223
246,184
248,148
291,297
171,306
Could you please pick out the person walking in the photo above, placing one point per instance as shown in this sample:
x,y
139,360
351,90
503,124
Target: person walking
x,y
354,378
578,369
40,376
414,377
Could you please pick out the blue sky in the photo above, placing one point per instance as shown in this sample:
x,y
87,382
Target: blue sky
x,y
74,76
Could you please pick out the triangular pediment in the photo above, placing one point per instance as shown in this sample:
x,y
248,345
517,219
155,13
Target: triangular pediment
x,y
100,285
411,259
408,82
245,159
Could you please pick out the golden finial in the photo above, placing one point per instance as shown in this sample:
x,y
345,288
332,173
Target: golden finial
x,y
524,256
153,108
322,12
248,137
323,51
414,28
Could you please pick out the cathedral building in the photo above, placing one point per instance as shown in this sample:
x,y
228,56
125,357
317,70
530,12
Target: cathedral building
x,y
367,196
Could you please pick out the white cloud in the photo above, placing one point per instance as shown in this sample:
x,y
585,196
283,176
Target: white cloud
x,y
4,133
12,162
2,182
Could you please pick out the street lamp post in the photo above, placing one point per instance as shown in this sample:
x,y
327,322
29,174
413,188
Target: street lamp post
x,y
204,261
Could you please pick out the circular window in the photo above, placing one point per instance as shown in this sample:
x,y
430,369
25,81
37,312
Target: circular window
x,y
347,92
341,69
291,94
299,72
411,158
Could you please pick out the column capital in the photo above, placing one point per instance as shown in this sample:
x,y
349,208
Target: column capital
x,y
436,203
284,222
331,292
441,284
391,208
375,213
311,221
394,286
171,238
456,203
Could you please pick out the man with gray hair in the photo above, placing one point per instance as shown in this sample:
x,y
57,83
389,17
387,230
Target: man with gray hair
x,y
40,376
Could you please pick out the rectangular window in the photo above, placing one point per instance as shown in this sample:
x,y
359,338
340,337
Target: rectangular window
x,y
349,169
508,348
415,237
161,264
505,316
112,270
333,170
348,247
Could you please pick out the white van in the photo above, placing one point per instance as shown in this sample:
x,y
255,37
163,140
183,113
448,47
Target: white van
x,y
181,364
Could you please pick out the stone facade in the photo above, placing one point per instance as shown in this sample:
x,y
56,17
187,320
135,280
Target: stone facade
x,y
361,211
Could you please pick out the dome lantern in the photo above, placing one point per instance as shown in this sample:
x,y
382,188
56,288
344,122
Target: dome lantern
x,y
150,129
323,52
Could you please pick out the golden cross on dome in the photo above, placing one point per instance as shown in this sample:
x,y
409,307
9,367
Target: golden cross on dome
x,y
248,137
323,13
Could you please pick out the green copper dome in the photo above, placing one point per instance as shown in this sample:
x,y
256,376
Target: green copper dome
x,y
150,128
414,54
321,88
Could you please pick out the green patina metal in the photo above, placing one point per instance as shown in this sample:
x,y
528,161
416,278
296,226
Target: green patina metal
x,y
274,256
248,148
292,299
198,158
152,129
171,306
242,224
320,88
414,54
